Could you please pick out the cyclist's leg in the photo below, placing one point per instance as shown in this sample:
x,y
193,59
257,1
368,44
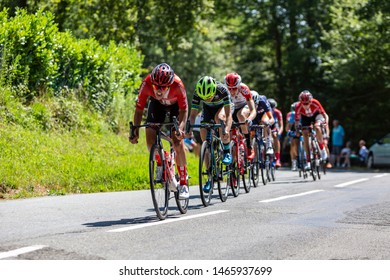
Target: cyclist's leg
x,y
180,155
156,114
306,121
276,144
222,112
319,120
243,115
294,152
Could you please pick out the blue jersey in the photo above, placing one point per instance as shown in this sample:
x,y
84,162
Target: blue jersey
x,y
262,106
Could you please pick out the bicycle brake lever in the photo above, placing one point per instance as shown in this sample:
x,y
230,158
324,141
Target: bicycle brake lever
x,y
131,136
176,125
188,126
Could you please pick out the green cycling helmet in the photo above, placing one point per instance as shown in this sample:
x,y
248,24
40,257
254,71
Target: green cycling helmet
x,y
206,87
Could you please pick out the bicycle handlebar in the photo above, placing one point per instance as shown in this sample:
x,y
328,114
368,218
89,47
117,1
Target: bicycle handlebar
x,y
237,124
211,125
175,123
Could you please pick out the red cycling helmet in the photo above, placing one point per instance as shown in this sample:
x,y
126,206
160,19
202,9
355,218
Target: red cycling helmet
x,y
305,96
162,75
232,80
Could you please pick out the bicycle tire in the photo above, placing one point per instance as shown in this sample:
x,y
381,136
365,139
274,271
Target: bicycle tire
x,y
182,204
223,176
302,161
244,168
205,174
254,169
313,171
273,171
262,164
224,184
268,168
158,186
235,172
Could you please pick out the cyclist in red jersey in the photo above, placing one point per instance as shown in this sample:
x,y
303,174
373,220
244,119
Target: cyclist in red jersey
x,y
243,105
308,111
166,93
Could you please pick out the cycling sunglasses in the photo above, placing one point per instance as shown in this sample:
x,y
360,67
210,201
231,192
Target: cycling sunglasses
x,y
160,88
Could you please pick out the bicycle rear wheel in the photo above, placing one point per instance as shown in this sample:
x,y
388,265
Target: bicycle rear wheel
x,y
244,171
272,170
158,183
205,174
254,169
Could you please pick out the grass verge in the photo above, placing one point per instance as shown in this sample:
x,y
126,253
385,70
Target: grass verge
x,y
36,163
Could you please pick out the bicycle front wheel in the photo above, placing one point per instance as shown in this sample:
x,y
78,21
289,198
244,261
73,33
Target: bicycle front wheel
x,y
235,171
206,180
158,182
263,164
182,204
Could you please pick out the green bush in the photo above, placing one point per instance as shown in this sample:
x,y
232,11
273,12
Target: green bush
x,y
39,61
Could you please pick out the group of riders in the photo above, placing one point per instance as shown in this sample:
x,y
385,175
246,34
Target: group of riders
x,y
164,92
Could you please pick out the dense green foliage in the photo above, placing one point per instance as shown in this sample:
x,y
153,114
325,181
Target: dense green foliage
x,y
38,61
74,64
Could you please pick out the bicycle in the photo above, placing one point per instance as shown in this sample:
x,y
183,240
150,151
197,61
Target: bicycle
x,y
301,160
261,162
211,168
162,170
315,155
240,160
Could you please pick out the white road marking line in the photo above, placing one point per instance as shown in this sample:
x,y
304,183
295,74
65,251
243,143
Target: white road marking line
x,y
290,196
381,175
351,183
20,251
167,221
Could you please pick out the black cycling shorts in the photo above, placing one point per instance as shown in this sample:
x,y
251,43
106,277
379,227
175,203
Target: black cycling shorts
x,y
157,112
209,113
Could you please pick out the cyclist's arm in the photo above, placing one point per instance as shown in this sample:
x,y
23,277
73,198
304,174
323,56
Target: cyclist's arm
x,y
183,119
228,114
270,117
193,114
137,121
281,125
252,109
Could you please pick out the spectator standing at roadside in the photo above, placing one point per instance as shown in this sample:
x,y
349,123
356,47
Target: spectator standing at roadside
x,y
338,135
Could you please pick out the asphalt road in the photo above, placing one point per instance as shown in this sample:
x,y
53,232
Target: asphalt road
x,y
345,215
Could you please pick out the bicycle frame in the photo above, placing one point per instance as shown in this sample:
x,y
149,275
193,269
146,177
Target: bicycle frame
x,y
314,151
212,147
240,162
260,155
301,158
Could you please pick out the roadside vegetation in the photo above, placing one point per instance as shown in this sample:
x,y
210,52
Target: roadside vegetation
x,y
64,110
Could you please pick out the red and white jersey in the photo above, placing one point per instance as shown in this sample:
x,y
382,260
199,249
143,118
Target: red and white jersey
x,y
242,97
314,108
176,93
